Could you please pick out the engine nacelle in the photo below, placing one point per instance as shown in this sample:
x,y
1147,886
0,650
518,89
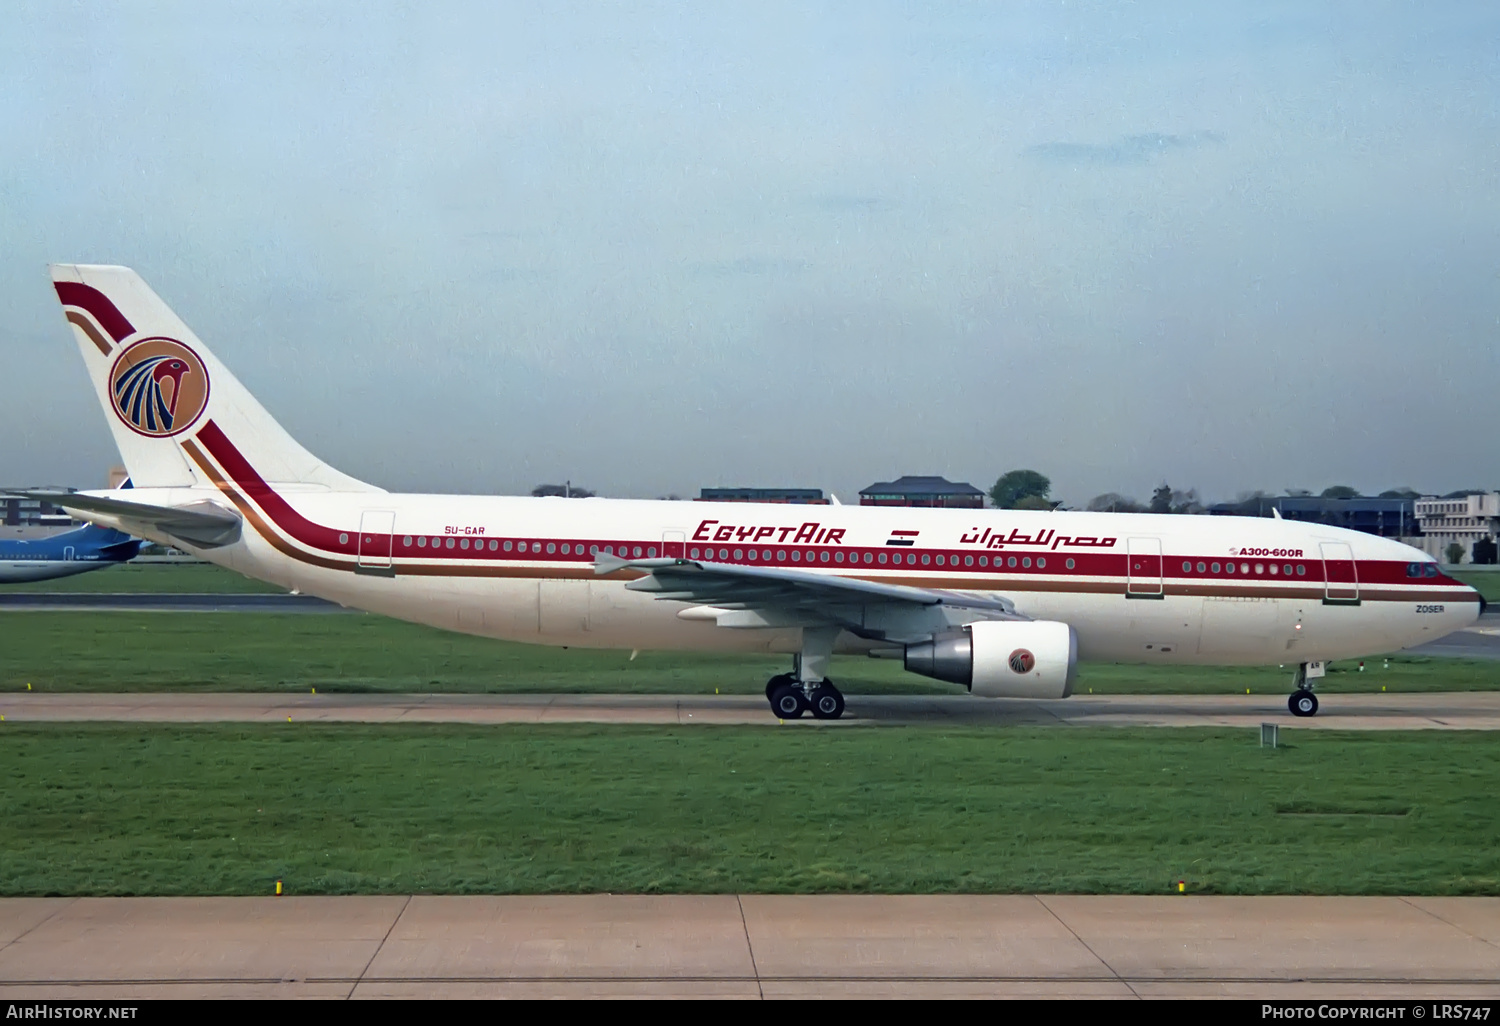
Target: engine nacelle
x,y
1002,658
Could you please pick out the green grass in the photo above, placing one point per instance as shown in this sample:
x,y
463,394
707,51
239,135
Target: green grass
x,y
129,809
153,578
362,653
1487,583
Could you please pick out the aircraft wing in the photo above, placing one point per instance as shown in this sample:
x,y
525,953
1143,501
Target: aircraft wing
x,y
774,596
203,524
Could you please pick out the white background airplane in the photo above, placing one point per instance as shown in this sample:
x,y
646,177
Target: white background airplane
x,y
1004,602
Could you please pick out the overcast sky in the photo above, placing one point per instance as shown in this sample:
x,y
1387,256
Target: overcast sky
x,y
476,247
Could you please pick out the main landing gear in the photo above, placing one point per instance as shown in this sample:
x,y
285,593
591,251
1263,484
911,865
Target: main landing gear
x,y
808,689
1302,701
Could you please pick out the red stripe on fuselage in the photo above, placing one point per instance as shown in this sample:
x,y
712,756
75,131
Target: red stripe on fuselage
x,y
86,297
255,488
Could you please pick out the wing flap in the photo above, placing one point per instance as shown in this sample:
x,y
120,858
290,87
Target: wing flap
x,y
868,608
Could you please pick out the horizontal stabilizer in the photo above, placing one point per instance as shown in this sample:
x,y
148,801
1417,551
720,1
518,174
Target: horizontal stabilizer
x,y
202,524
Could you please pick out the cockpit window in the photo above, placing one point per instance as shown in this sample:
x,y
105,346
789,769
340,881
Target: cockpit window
x,y
1414,569
1430,570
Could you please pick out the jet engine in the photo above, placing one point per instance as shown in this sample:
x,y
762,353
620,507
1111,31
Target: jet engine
x,y
1002,658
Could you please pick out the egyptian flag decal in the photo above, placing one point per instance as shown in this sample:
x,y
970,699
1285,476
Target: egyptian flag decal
x,y
902,538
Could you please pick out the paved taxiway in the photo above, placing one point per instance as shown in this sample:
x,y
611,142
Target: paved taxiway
x,y
1470,710
751,946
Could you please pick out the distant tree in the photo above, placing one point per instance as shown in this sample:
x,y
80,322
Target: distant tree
x,y
1340,492
1400,493
1161,499
1486,551
567,491
1016,485
1455,552
1186,502
1114,502
1035,502
1297,493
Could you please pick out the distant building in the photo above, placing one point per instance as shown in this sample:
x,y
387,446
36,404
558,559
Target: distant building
x,y
1464,519
805,496
1388,518
923,491
19,512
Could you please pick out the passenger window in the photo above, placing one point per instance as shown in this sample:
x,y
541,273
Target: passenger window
x,y
1069,564
693,554
739,553
780,556
940,561
796,556
1244,568
1273,568
537,547
838,557
1287,569
465,544
1213,567
1026,562
565,549
1301,570
1201,568
1011,561
823,556
882,558
984,560
1187,568
422,542
968,561
551,548
495,545
343,539
1260,568
406,541
1041,562
926,559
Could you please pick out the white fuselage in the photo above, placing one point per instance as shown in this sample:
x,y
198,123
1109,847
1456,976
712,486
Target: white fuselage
x,y
1136,587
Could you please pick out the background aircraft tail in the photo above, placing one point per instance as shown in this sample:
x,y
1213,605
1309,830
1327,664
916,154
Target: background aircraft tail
x,y
166,396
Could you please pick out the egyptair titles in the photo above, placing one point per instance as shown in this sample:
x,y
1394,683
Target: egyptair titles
x,y
813,532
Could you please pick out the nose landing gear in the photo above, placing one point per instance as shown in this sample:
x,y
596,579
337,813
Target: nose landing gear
x,y
1302,701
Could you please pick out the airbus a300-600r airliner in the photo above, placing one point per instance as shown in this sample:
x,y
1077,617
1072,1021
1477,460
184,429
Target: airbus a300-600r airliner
x,y
1002,602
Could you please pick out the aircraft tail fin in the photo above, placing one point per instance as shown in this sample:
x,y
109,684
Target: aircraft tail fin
x,y
168,399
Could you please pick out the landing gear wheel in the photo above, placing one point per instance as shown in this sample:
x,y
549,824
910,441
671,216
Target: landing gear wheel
x,y
787,701
827,702
776,682
1303,703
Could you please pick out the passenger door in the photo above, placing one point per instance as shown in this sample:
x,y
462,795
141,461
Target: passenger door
x,y
1341,579
376,530
1143,568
